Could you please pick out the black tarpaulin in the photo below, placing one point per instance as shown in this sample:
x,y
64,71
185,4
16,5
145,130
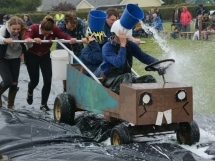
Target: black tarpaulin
x,y
27,135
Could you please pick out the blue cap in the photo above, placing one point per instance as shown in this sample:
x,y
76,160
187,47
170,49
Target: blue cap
x,y
131,16
97,20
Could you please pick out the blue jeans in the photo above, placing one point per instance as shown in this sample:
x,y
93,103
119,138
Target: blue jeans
x,y
97,72
186,28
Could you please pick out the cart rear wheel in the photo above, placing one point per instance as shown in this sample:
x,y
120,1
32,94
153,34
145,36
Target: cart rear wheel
x,y
64,109
120,135
188,133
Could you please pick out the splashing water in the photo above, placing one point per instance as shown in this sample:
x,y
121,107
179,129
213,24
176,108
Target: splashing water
x,y
162,42
169,52
189,69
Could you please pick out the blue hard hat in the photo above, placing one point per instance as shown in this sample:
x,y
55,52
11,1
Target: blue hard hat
x,y
97,20
131,16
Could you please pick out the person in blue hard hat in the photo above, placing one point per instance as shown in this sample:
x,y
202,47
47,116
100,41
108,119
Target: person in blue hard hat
x,y
92,53
118,54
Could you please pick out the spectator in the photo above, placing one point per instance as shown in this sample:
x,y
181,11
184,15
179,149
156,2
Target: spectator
x,y
205,25
151,12
176,14
205,22
211,29
138,30
201,10
156,23
185,19
112,16
177,28
197,26
1,18
148,21
27,20
59,16
85,22
6,18
47,15
157,11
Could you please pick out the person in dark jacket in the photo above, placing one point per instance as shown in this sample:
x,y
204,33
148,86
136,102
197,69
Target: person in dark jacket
x,y
197,27
157,11
176,14
27,20
92,53
118,54
10,57
201,11
75,27
177,28
112,16
6,18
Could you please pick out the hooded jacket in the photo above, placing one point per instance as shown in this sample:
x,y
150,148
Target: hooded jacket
x,y
185,17
13,50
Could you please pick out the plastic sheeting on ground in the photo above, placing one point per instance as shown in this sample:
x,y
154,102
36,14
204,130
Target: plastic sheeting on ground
x,y
27,135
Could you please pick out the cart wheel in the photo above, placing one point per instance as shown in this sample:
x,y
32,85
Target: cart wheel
x,y
120,135
188,133
64,109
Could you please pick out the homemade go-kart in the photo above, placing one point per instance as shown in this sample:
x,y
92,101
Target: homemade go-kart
x,y
150,107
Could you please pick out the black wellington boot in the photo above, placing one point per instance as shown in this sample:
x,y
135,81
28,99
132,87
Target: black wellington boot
x,y
2,90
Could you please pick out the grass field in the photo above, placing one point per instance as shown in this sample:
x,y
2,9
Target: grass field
x,y
194,66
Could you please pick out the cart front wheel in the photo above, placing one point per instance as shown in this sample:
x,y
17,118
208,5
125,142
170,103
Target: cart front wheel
x,y
188,133
64,109
120,135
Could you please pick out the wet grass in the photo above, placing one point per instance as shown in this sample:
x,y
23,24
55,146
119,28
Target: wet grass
x,y
194,66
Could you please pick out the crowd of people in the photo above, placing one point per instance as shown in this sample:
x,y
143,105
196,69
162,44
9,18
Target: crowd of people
x,y
152,18
107,53
181,21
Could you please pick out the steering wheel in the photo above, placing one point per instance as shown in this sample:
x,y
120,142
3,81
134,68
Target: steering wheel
x,y
156,65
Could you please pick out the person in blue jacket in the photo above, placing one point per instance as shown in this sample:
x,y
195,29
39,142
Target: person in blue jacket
x,y
156,22
92,53
118,54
